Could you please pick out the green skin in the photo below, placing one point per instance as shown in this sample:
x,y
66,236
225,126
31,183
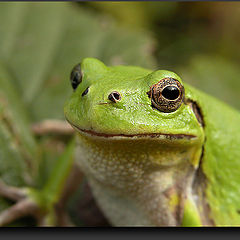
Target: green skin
x,y
152,168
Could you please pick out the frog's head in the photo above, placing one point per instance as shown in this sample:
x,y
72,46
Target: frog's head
x,y
131,101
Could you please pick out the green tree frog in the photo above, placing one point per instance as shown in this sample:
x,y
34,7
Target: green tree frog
x,y
155,151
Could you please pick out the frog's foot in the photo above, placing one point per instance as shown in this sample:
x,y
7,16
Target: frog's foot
x,y
24,205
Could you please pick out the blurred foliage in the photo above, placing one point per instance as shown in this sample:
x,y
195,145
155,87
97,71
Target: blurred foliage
x,y
41,42
39,46
136,14
197,40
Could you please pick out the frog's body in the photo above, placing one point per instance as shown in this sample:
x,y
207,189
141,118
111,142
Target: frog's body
x,y
151,161
135,178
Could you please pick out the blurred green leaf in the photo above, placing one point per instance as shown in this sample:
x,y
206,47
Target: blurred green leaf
x,y
214,75
136,14
18,152
48,39
39,45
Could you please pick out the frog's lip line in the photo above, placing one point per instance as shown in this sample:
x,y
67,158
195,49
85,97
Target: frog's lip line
x,y
141,135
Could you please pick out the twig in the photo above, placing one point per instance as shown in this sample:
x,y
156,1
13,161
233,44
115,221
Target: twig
x,y
52,127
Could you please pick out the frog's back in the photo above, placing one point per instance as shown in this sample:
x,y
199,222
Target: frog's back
x,y
221,159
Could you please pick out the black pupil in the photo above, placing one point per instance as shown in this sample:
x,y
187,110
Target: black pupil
x,y
171,92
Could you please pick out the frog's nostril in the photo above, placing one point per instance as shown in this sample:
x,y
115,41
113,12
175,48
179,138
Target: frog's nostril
x,y
85,92
114,96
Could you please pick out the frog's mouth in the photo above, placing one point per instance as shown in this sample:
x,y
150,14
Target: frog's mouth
x,y
141,135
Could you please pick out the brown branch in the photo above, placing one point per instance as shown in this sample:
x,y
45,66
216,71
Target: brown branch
x,y
10,192
52,127
20,209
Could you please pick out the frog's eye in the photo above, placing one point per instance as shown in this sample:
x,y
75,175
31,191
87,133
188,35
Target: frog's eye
x,y
114,96
167,95
76,76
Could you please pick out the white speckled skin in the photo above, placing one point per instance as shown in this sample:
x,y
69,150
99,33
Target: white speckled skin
x,y
135,179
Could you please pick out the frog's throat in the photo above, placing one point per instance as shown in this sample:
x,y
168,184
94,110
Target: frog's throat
x,y
142,135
